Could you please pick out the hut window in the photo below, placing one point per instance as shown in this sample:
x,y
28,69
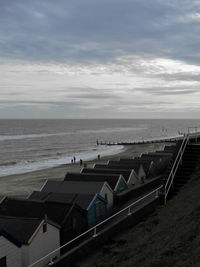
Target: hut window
x,y
98,210
44,228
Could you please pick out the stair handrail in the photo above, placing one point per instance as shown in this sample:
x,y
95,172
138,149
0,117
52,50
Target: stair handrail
x,y
175,166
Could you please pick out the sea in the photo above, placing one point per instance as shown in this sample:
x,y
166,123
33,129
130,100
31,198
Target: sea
x,y
28,145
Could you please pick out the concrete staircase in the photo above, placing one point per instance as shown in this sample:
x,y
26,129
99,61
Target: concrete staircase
x,y
185,169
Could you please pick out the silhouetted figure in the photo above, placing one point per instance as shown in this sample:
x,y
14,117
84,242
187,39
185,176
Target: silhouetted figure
x,y
98,157
74,159
97,142
81,162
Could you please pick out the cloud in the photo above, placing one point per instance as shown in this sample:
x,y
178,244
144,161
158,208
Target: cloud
x,y
114,58
97,30
119,87
190,18
168,91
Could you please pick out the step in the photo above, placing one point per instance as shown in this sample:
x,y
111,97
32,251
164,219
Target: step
x,y
182,177
193,146
184,174
188,165
192,149
178,186
171,195
174,191
190,155
181,181
185,169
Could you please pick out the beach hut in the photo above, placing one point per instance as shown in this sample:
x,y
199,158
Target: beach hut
x,y
129,175
137,167
79,187
134,177
156,156
26,240
63,214
94,204
161,161
147,164
170,148
115,181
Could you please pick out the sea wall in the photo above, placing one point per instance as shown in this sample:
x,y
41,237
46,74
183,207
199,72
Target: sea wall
x,y
138,191
91,244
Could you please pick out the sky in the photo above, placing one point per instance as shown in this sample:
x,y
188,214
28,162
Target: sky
x,y
99,59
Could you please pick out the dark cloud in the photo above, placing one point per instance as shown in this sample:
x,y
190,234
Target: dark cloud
x,y
183,76
97,30
162,91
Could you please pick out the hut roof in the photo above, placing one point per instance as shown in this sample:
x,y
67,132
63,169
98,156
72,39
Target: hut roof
x,y
111,179
56,212
115,167
18,229
73,187
125,173
82,200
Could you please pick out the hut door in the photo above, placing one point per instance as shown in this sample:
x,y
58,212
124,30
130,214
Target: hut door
x,y
3,262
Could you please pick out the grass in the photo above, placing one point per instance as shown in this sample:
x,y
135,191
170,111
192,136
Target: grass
x,y
169,237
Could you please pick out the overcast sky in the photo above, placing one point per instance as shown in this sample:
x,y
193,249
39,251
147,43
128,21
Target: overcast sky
x,y
99,58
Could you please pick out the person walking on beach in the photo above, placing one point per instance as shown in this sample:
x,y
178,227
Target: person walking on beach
x,y
81,162
74,159
98,157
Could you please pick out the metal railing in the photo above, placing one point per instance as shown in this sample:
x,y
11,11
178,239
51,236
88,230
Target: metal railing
x,y
95,230
192,132
175,166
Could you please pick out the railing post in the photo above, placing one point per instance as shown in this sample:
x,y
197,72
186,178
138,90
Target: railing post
x,y
129,211
50,263
95,232
157,194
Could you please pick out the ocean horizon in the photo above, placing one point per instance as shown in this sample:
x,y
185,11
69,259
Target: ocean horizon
x,y
32,144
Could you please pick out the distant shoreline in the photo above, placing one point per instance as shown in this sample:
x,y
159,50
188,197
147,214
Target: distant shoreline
x,y
22,184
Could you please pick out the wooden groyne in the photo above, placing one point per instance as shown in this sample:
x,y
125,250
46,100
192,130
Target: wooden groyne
x,y
194,136
118,143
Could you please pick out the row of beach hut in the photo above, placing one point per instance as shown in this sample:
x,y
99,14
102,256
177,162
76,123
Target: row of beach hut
x,y
62,209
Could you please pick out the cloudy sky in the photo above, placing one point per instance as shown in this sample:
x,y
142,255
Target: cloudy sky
x,y
99,58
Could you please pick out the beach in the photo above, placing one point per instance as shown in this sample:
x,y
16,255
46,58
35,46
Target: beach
x,y
20,185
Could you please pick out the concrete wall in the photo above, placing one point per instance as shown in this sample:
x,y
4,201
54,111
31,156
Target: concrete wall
x,y
137,191
11,251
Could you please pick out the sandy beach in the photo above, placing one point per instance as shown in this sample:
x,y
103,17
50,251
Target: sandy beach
x,y
21,185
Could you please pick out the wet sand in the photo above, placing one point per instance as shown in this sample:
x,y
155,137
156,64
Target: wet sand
x,y
21,185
